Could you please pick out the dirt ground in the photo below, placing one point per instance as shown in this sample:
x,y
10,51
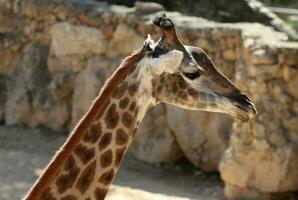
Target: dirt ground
x,y
24,152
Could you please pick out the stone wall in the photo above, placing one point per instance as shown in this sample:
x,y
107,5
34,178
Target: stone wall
x,y
225,11
262,156
54,58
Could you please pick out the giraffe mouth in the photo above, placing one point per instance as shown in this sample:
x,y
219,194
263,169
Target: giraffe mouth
x,y
244,112
243,108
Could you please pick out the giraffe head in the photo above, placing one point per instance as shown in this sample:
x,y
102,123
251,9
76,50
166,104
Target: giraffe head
x,y
187,78
198,85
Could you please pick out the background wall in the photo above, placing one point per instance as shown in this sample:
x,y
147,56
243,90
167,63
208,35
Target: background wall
x,y
54,58
231,11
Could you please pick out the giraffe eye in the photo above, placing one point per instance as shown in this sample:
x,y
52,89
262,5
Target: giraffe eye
x,y
192,75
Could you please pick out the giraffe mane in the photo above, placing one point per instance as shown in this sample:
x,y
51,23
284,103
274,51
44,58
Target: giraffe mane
x,y
94,111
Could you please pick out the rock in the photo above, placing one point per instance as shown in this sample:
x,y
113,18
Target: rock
x,y
124,41
291,123
203,137
232,42
9,45
277,139
234,192
257,167
264,72
61,85
73,63
292,82
230,55
148,7
2,97
69,39
205,44
6,58
289,56
155,141
87,85
292,135
30,101
86,88
262,57
287,72
240,11
259,131
261,160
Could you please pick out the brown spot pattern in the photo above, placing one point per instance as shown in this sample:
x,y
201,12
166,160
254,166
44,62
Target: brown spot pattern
x,y
69,197
123,103
120,91
119,155
182,85
121,137
136,111
86,177
107,177
133,106
200,105
182,95
84,153
70,164
100,193
47,195
132,89
127,119
168,88
174,88
213,105
93,133
112,117
192,92
162,79
66,181
106,158
105,141
159,89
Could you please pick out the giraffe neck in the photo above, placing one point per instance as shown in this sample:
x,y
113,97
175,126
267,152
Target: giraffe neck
x,y
90,168
86,164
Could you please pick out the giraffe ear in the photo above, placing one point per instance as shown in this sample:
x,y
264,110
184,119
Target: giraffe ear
x,y
168,62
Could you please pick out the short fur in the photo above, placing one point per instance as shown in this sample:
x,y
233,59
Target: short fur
x,y
94,111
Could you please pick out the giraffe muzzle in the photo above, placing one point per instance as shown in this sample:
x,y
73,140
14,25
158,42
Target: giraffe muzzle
x,y
245,109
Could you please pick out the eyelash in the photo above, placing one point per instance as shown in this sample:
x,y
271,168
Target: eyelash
x,y
192,75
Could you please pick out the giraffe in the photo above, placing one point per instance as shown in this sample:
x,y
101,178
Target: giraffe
x,y
165,71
